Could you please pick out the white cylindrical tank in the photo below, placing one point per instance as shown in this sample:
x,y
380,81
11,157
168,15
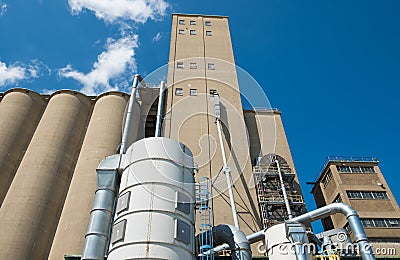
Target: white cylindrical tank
x,y
279,247
155,211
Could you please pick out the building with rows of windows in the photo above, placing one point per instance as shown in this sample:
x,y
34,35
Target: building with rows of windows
x,y
359,183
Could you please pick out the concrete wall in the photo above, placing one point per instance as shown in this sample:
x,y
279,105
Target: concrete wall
x,y
191,120
20,111
267,135
102,139
30,211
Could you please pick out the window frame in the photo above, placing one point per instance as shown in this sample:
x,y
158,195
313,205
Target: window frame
x,y
178,91
193,92
193,32
355,169
213,92
367,195
327,178
338,199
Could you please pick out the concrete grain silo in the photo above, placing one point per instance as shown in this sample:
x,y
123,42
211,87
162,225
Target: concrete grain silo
x,y
20,112
102,139
30,211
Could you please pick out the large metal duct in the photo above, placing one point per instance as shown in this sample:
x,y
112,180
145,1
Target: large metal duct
x,y
101,215
236,240
30,211
20,111
154,214
102,139
352,217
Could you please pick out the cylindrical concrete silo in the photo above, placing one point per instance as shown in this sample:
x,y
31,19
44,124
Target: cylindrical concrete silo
x,y
155,211
30,211
20,111
102,139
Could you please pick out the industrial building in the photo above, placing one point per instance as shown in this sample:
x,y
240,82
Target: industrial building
x,y
359,182
175,170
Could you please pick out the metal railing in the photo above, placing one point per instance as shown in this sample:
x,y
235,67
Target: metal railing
x,y
280,198
333,158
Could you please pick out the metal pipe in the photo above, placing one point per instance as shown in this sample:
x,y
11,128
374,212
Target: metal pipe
x,y
353,219
159,109
252,238
97,235
227,172
351,215
285,197
235,239
125,133
296,233
226,168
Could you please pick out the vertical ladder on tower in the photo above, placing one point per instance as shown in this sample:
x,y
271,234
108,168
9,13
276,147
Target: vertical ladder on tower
x,y
204,219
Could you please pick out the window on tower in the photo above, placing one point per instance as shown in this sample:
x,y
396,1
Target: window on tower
x,y
179,91
213,92
181,31
338,199
327,178
193,65
192,22
182,22
179,65
211,66
375,195
208,33
355,169
208,23
193,32
193,92
381,222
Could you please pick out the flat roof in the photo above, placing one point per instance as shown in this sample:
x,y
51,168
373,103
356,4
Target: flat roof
x,y
204,15
341,159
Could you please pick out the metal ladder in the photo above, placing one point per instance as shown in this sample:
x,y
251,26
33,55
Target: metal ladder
x,y
205,219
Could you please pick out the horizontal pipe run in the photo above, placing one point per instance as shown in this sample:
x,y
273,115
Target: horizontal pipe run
x,y
353,219
351,215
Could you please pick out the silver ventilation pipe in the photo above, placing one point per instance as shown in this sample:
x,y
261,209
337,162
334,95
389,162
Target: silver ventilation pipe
x,y
159,109
331,209
226,168
101,216
285,197
125,133
252,238
352,217
97,235
235,239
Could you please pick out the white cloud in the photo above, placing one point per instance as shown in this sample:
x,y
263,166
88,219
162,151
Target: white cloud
x,y
114,10
157,37
3,8
112,65
14,73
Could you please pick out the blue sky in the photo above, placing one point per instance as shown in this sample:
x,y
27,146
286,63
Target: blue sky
x,y
331,67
